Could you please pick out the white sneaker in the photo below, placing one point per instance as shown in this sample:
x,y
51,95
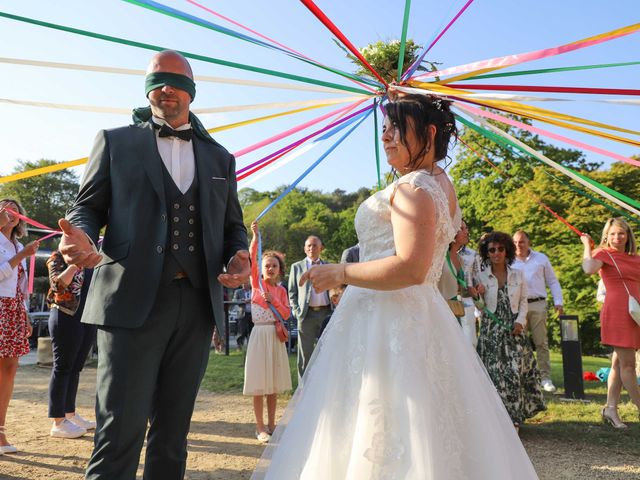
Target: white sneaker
x,y
548,385
82,422
66,429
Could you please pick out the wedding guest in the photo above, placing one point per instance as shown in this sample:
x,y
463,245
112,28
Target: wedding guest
x,y
71,342
15,328
452,281
503,346
618,262
266,370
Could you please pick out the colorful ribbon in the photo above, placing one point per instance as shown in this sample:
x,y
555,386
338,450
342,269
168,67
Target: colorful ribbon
x,y
312,166
194,56
497,63
414,66
534,88
345,41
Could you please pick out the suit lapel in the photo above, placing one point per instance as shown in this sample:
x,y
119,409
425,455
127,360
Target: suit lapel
x,y
151,159
203,170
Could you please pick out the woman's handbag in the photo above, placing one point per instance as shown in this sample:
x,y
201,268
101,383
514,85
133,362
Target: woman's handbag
x,y
634,306
281,331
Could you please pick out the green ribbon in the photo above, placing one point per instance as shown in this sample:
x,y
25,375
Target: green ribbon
x,y
403,39
160,79
194,56
551,70
520,152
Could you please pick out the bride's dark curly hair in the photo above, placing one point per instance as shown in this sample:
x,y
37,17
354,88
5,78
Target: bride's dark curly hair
x,y
423,110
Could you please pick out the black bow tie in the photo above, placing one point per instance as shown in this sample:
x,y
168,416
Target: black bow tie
x,y
167,131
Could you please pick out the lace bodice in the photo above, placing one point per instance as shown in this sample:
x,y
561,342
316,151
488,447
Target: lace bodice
x,y
375,232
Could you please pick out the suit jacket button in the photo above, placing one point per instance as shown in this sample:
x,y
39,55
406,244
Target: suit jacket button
x,y
191,248
159,249
163,217
192,208
175,246
176,206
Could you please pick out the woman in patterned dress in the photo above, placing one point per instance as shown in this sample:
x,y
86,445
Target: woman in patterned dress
x,y
503,346
15,328
618,263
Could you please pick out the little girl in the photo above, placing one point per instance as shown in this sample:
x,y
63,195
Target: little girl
x,y
266,370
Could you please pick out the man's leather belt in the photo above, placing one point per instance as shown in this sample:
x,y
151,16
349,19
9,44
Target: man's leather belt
x,y
180,275
536,299
318,309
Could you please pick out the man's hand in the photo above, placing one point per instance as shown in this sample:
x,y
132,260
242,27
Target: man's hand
x,y
559,309
75,246
238,271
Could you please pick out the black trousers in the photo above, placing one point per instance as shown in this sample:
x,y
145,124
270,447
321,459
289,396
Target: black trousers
x,y
151,374
70,342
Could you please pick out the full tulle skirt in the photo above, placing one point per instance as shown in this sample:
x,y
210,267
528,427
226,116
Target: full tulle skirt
x,y
394,391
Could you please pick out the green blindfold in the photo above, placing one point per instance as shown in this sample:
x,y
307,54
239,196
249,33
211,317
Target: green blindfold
x,y
160,79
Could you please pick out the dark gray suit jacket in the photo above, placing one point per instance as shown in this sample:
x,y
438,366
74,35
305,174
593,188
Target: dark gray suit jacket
x,y
123,189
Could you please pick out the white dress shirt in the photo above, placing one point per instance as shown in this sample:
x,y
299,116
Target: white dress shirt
x,y
539,274
317,299
177,155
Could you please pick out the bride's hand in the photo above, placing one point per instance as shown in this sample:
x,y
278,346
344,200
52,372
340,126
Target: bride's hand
x,y
324,277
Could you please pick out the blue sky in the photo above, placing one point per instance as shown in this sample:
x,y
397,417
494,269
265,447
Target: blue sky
x,y
487,29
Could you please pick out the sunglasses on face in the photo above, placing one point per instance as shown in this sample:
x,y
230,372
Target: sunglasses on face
x,y
496,249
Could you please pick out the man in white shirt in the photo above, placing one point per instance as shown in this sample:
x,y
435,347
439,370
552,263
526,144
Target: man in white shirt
x,y
538,275
309,307
166,193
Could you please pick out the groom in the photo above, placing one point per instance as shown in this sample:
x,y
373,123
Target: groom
x,y
166,193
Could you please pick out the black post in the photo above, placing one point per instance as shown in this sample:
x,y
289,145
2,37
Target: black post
x,y
571,357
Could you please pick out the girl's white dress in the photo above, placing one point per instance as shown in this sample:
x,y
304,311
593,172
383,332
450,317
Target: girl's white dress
x,y
393,390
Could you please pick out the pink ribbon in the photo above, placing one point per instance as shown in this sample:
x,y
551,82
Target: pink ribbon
x,y
32,259
508,60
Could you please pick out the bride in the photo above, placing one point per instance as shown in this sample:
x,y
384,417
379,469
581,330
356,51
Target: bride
x,y
393,390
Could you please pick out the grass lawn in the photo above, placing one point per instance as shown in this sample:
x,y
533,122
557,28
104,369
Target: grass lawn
x,y
576,423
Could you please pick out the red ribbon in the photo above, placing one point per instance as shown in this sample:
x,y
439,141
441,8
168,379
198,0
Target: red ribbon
x,y
550,89
539,202
336,31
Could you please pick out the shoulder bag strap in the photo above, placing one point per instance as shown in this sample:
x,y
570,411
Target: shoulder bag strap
x,y
619,273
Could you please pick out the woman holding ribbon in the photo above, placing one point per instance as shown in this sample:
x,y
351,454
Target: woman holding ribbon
x,y
15,327
618,262
71,341
503,346
393,389
266,370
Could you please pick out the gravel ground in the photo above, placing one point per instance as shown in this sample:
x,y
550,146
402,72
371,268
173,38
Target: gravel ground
x,y
221,443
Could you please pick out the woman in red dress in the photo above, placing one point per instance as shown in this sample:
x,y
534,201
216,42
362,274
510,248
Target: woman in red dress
x,y
15,327
617,261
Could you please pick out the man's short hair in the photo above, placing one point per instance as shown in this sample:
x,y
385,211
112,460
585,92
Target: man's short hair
x,y
526,235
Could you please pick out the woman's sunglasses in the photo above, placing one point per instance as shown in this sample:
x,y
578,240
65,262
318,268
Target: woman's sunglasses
x,y
493,249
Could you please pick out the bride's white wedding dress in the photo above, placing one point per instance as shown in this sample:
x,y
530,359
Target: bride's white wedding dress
x,y
393,390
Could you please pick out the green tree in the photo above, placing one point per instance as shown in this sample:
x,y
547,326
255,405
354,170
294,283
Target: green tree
x,y
44,197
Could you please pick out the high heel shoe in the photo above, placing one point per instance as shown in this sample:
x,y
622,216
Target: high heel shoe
x,y
612,420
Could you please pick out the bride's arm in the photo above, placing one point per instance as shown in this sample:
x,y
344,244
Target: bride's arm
x,y
413,219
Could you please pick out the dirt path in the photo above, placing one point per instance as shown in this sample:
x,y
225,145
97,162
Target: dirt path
x,y
221,443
